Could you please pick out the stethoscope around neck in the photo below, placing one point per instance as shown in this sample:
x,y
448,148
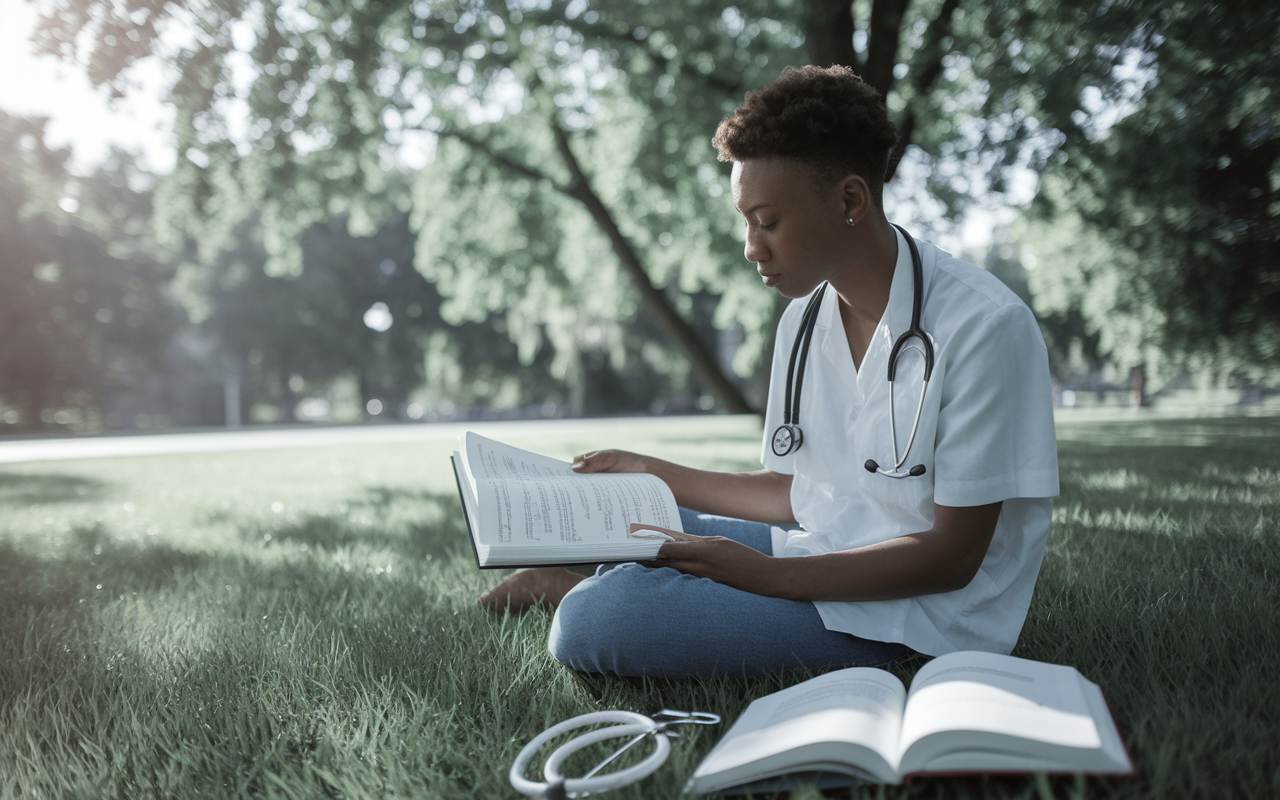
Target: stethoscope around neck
x,y
788,438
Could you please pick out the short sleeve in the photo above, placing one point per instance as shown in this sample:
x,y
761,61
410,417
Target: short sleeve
x,y
995,438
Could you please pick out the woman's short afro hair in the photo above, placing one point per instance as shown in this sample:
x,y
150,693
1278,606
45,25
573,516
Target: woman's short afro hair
x,y
826,118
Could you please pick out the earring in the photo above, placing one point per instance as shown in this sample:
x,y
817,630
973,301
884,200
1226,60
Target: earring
x,y
849,221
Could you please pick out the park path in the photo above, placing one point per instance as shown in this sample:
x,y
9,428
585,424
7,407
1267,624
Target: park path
x,y
211,441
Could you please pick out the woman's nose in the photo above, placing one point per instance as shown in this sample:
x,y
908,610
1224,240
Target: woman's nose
x,y
755,251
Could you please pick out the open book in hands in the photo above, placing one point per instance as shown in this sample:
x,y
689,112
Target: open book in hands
x,y
965,712
524,509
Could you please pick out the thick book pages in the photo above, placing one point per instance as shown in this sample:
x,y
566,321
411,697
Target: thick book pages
x,y
524,509
965,712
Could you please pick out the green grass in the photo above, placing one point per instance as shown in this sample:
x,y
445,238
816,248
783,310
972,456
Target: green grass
x,y
300,623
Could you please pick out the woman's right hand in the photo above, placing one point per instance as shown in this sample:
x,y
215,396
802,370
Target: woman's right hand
x,y
763,496
610,461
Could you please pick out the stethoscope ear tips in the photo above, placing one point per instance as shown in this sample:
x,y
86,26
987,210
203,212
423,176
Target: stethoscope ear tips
x,y
914,472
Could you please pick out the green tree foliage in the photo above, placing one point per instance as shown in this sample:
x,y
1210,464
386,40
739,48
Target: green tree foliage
x,y
980,91
574,190
1162,229
82,306
295,110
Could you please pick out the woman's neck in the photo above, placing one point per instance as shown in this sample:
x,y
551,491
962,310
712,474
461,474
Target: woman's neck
x,y
864,284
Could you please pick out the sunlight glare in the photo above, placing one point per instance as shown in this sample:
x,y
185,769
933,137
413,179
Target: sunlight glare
x,y
80,116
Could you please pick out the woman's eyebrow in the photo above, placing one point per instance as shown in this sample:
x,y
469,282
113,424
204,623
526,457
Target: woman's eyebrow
x,y
756,207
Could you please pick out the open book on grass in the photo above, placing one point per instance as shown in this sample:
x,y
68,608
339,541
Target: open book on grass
x,y
524,509
965,712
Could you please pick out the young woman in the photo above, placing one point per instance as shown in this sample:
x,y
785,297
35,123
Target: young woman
x,y
899,509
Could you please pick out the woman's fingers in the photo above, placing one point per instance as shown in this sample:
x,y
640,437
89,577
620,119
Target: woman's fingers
x,y
679,536
690,548
674,554
595,461
608,461
720,559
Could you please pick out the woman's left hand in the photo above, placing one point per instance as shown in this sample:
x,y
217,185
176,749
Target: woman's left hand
x,y
715,557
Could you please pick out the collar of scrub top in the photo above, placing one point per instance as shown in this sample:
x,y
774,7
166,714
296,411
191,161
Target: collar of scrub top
x,y
789,437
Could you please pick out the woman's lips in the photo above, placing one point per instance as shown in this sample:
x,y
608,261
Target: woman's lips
x,y
770,280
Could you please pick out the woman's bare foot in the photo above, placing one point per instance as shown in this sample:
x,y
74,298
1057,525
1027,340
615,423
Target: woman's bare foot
x,y
530,587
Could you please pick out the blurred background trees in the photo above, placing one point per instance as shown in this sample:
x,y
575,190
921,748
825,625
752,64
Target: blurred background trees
x,y
399,209
1161,229
82,307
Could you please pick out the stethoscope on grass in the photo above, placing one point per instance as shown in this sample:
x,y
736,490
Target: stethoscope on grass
x,y
627,724
788,438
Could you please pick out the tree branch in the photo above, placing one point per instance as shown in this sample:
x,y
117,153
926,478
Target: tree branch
x,y
578,187
502,159
930,55
704,365
624,37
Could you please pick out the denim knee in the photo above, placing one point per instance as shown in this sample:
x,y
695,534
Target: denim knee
x,y
595,627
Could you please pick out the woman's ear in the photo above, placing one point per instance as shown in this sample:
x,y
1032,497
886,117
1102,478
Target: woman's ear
x,y
856,196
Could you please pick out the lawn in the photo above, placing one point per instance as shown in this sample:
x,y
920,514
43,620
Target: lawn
x,y
300,623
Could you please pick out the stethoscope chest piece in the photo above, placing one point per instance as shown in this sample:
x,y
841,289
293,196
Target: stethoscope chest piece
x,y
787,439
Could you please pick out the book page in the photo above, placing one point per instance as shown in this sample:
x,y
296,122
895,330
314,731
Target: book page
x,y
989,752
856,706
988,693
491,459
530,500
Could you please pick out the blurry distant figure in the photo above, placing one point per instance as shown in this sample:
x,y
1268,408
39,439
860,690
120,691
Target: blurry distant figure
x,y
1137,379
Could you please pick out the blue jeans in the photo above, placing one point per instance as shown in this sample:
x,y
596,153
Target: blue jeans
x,y
634,620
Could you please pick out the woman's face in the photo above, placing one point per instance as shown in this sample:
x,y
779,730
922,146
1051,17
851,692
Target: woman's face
x,y
796,230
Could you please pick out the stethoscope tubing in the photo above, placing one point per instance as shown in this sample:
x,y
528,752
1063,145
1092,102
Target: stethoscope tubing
x,y
793,438
896,472
629,724
790,411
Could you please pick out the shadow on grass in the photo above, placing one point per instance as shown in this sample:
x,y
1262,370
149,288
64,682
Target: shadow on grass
x,y
418,526
414,524
26,489
1224,470
1241,434
43,596
30,580
92,567
187,672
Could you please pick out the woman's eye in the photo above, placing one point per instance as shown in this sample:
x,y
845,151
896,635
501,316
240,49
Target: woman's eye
x,y
769,225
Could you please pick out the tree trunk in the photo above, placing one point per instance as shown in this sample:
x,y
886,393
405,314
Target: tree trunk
x,y
884,34
926,69
828,34
828,39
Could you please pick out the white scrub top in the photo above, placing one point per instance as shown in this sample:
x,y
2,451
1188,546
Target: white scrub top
x,y
986,435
